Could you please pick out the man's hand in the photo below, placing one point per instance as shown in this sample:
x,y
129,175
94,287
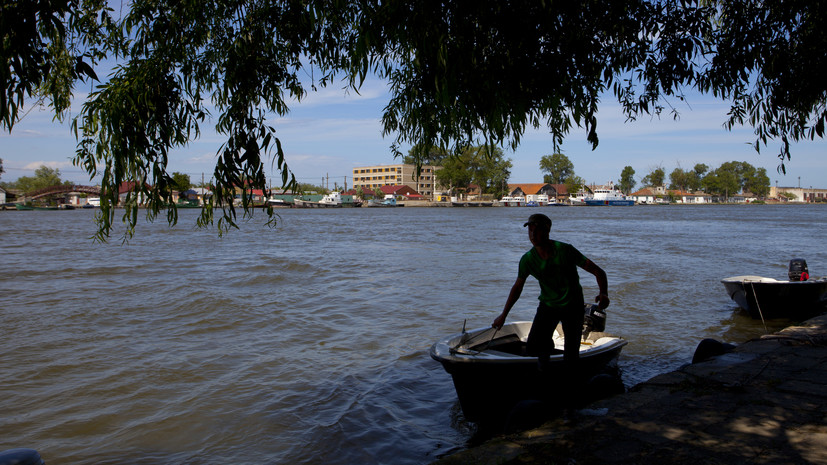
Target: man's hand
x,y
602,301
499,322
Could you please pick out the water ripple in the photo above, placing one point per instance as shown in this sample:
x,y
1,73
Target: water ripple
x,y
308,343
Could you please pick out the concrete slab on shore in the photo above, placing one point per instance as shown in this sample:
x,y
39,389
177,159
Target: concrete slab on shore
x,y
763,403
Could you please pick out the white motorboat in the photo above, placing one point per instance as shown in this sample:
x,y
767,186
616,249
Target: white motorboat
x,y
771,298
388,201
799,297
490,366
539,200
332,200
278,203
509,201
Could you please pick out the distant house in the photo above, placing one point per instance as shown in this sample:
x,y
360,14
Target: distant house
x,y
196,194
125,187
399,192
645,195
2,195
553,191
694,198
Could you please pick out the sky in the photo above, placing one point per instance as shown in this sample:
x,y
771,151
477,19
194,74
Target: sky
x,y
332,131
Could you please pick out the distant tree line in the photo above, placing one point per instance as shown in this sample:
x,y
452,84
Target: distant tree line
x,y
487,168
43,177
730,178
48,177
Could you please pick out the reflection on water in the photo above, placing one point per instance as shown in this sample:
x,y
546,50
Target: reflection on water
x,y
308,342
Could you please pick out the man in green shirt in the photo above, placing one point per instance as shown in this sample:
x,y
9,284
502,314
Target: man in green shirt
x,y
554,264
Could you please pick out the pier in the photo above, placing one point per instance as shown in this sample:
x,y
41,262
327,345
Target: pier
x,y
763,403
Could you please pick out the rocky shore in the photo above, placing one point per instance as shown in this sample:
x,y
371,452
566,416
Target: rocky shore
x,y
765,402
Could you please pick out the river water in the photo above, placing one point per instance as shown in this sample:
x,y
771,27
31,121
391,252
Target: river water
x,y
308,342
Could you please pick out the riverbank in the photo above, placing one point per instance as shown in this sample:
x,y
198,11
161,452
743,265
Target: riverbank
x,y
763,403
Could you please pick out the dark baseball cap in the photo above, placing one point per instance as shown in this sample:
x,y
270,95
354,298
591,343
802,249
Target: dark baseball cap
x,y
538,219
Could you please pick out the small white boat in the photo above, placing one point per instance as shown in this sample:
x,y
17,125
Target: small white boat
x,y
490,366
278,203
540,200
509,201
334,199
388,201
579,198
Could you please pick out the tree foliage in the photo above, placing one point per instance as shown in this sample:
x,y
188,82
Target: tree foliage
x,y
574,184
655,177
461,74
43,177
476,165
679,179
46,47
435,156
181,181
627,180
733,177
557,167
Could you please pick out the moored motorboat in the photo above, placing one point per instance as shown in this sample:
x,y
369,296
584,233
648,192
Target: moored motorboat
x,y
489,366
509,201
388,201
772,298
536,200
279,203
333,200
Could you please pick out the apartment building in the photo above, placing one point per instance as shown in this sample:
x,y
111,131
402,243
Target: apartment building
x,y
371,177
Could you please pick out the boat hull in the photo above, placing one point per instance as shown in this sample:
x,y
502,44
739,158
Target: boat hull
x,y
298,203
495,380
609,203
769,298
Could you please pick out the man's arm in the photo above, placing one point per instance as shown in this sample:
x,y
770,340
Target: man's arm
x,y
602,283
513,296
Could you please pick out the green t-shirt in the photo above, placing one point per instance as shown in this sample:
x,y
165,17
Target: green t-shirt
x,y
559,281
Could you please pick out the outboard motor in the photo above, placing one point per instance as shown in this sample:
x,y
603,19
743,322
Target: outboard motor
x,y
594,319
798,270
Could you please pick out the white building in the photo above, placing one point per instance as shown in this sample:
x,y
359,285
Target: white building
x,y
798,194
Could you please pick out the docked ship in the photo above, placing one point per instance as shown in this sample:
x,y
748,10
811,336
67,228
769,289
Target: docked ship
x,y
608,196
